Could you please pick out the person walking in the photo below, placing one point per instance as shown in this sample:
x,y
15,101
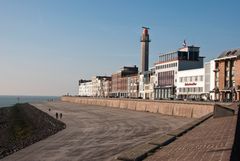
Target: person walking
x,y
56,115
61,115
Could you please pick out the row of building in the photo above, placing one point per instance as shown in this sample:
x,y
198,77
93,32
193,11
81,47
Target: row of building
x,y
181,74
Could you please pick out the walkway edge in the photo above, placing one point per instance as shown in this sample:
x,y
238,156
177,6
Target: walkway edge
x,y
141,151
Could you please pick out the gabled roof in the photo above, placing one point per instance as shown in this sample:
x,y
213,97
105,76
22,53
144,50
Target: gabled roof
x,y
228,53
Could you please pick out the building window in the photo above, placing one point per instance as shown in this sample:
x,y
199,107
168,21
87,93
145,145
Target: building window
x,y
217,65
181,79
217,84
233,73
196,78
227,83
185,79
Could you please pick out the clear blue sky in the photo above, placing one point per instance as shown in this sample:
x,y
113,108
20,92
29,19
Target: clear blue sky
x,y
46,46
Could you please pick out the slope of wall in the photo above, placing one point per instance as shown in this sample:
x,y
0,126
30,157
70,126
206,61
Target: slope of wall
x,y
174,108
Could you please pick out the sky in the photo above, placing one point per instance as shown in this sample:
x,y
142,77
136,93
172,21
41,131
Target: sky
x,y
46,46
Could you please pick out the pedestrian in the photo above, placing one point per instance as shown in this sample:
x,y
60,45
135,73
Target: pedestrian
x,y
56,115
60,115
49,109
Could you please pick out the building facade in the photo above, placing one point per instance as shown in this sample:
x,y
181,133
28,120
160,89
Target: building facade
x,y
209,78
133,86
168,66
85,88
227,76
120,81
107,87
98,88
147,84
190,84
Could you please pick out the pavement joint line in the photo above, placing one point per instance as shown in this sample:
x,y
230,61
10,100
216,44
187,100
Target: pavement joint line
x,y
162,140
141,151
137,153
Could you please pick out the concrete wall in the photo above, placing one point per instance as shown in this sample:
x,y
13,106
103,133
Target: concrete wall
x,y
174,108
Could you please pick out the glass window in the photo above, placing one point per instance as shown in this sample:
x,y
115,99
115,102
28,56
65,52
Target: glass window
x,y
185,79
227,74
199,89
196,78
233,73
217,84
233,83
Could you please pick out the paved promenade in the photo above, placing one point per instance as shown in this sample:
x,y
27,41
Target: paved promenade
x,y
95,133
210,141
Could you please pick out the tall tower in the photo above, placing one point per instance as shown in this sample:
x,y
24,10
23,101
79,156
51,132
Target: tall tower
x,y
144,50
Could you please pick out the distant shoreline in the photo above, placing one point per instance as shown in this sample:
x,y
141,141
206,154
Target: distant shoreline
x,y
6,100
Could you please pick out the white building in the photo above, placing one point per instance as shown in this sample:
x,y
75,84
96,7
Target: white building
x,y
147,82
107,87
168,66
101,86
210,79
85,88
190,84
141,85
133,90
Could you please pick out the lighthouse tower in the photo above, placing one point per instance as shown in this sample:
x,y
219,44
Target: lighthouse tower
x,y
144,50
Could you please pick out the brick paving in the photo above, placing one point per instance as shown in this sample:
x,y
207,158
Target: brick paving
x,y
210,141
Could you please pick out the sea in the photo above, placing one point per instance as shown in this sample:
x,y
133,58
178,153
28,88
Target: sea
x,y
6,101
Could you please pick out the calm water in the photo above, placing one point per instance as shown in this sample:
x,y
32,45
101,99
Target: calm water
x,y
11,100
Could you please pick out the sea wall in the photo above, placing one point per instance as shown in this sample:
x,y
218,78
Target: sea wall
x,y
174,108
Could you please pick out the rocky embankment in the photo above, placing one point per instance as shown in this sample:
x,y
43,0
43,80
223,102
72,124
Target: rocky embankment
x,y
23,125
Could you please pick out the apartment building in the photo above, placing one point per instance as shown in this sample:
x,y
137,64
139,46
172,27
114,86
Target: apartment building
x,y
120,81
227,76
85,88
101,86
